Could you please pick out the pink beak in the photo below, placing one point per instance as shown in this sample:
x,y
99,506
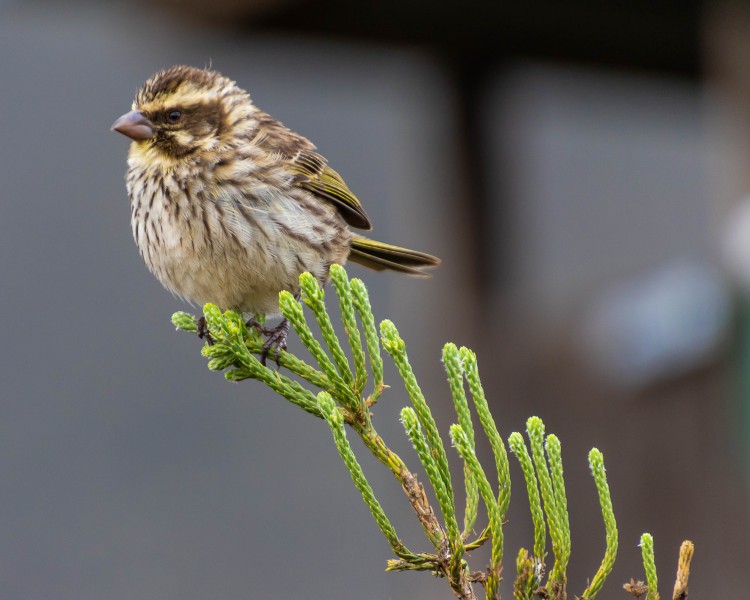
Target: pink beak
x,y
135,125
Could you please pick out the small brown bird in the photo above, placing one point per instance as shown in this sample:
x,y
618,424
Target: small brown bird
x,y
229,206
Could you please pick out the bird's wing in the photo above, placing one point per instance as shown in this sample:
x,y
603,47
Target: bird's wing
x,y
311,170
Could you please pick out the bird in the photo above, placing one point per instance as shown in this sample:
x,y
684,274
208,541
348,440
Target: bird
x,y
229,206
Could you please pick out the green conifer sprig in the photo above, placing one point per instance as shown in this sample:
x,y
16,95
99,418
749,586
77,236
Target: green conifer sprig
x,y
556,524
596,462
361,303
336,423
528,576
339,399
396,347
518,447
472,504
454,369
231,339
465,447
554,455
185,321
471,370
314,297
344,294
292,310
649,565
415,435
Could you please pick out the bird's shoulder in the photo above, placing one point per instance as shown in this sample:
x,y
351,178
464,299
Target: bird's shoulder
x,y
273,137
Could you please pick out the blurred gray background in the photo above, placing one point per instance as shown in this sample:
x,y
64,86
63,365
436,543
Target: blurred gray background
x,y
578,169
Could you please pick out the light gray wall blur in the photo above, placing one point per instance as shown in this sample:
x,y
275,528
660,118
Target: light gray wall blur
x,y
128,470
609,176
611,180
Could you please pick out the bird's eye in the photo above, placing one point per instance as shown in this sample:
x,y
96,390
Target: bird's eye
x,y
174,115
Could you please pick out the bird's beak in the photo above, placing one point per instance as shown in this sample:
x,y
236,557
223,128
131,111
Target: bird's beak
x,y
135,125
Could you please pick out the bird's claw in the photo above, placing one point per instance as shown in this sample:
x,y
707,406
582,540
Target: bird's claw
x,y
276,339
203,332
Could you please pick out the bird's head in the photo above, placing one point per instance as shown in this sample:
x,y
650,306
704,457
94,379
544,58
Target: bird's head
x,y
182,111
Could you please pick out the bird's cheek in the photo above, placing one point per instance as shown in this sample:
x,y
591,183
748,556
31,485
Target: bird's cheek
x,y
183,138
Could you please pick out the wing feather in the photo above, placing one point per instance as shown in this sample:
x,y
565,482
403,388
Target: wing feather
x,y
311,170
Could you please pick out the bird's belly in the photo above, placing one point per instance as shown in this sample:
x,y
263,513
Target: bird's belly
x,y
199,256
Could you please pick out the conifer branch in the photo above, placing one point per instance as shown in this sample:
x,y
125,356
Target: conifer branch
x,y
340,400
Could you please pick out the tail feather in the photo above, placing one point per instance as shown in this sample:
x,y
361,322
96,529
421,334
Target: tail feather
x,y
380,256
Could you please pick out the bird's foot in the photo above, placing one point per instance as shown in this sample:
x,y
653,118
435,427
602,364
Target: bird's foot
x,y
259,327
276,339
202,330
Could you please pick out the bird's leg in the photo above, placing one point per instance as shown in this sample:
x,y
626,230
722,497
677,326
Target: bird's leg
x,y
257,325
276,338
202,330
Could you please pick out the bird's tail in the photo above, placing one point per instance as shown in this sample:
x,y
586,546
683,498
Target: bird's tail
x,y
380,256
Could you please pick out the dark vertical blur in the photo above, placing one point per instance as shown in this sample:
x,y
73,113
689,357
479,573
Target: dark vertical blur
x,y
581,174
